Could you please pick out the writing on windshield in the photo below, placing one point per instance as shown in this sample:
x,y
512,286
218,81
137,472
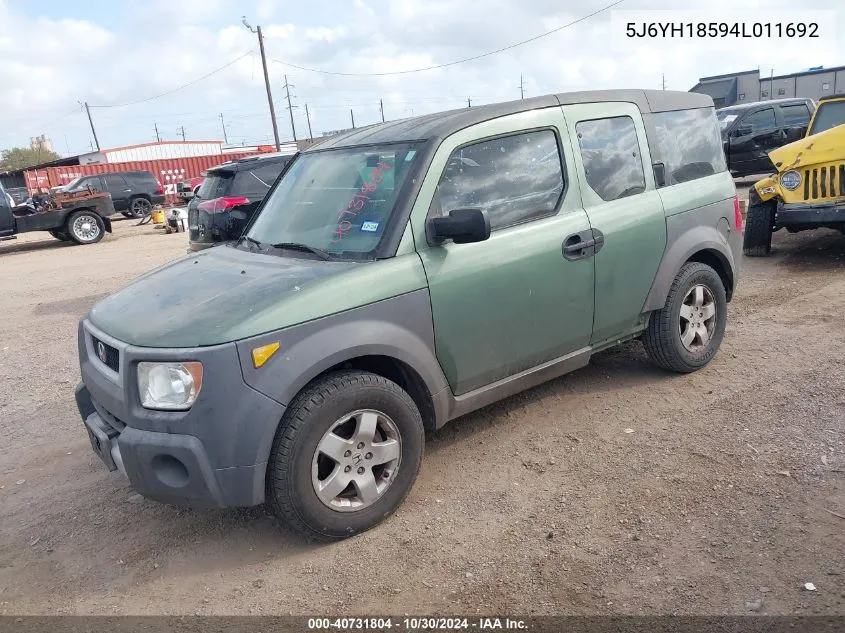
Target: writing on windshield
x,y
357,202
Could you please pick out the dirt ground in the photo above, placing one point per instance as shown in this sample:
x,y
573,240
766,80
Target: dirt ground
x,y
617,489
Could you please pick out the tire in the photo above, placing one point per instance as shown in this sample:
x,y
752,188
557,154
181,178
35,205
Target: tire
x,y
59,234
139,208
663,337
85,227
126,214
297,468
759,224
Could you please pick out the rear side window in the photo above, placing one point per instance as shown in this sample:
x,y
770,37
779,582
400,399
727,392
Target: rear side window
x,y
761,120
689,144
797,114
215,185
114,182
514,178
611,155
256,182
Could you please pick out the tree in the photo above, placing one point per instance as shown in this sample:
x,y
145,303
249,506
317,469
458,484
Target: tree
x,y
23,157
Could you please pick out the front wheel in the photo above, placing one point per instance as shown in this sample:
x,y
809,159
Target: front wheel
x,y
686,333
85,227
139,208
345,455
759,225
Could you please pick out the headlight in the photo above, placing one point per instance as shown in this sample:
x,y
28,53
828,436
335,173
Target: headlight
x,y
790,180
169,386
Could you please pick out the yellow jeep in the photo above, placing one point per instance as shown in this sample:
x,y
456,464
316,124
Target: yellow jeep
x,y
808,191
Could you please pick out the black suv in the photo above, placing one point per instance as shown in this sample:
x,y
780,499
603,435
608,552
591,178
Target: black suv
x,y
133,192
229,197
751,130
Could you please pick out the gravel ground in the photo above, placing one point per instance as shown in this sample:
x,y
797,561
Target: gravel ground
x,y
616,489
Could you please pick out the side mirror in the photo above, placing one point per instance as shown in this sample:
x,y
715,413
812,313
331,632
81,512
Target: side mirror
x,y
462,226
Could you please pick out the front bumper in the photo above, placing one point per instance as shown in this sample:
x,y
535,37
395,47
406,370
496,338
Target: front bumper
x,y
214,455
817,214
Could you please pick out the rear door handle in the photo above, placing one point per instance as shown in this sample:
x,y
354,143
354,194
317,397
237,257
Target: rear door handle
x,y
584,244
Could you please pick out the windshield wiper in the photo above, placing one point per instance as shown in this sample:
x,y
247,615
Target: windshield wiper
x,y
295,246
251,240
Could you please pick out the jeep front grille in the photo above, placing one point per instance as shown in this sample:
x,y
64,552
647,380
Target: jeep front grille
x,y
824,182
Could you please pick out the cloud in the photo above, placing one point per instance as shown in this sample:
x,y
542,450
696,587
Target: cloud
x,y
135,50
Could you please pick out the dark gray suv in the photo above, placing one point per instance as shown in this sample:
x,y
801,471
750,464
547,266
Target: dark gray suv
x,y
133,192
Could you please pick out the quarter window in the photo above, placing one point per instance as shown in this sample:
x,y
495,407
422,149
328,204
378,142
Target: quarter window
x,y
689,143
514,178
611,154
761,120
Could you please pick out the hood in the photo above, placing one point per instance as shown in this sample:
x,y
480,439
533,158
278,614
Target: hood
x,y
824,147
225,294
203,298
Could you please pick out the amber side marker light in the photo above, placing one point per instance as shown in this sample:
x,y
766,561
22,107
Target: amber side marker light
x,y
261,355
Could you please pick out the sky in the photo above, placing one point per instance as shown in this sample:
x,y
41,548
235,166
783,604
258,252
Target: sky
x,y
121,57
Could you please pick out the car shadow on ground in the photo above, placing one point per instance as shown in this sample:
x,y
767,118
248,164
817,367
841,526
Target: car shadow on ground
x,y
11,247
807,250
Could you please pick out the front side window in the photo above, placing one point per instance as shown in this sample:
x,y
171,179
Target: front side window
x,y
690,144
611,154
797,114
515,178
830,114
339,200
761,120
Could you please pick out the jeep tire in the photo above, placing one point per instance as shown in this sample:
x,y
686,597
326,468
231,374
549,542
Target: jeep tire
x,y
345,455
759,225
686,333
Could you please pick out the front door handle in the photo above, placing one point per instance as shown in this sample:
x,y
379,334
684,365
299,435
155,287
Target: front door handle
x,y
576,247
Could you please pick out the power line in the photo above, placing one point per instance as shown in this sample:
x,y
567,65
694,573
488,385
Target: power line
x,y
182,87
457,61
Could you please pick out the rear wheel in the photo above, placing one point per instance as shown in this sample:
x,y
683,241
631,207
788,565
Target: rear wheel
x,y
139,207
85,227
345,455
686,333
759,225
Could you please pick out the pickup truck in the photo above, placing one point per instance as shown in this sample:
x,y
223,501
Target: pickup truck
x,y
80,216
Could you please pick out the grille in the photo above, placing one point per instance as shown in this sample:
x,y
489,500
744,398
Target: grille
x,y
112,356
824,182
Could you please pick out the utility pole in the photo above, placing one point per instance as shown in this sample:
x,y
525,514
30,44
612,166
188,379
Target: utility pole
x,y
664,81
308,118
352,114
772,83
91,121
183,132
158,138
290,107
266,80
225,138
381,108
521,88
469,102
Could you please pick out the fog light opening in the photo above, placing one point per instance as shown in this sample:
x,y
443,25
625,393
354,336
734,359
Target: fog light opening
x,y
170,471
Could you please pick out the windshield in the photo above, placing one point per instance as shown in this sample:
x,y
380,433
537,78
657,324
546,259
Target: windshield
x,y
337,201
830,114
726,117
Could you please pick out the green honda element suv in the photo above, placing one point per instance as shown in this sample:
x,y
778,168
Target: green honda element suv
x,y
402,275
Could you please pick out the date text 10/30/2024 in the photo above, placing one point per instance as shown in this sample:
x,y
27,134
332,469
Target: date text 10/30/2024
x,y
414,624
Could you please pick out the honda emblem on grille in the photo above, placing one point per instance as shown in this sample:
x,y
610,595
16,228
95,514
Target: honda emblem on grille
x,y
101,351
